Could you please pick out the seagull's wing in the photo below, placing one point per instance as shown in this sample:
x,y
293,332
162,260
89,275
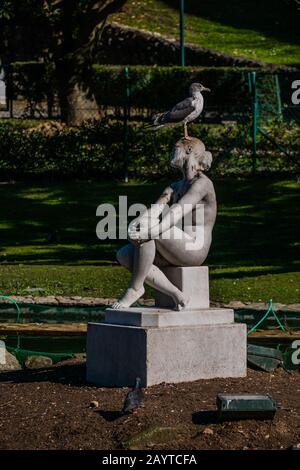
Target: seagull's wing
x,y
177,114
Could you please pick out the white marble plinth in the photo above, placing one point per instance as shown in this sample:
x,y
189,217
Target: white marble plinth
x,y
192,281
117,354
159,317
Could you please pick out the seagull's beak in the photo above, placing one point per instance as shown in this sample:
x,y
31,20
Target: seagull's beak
x,y
205,89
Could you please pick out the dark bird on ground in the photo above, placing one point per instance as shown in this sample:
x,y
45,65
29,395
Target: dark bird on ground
x,y
53,236
134,398
184,112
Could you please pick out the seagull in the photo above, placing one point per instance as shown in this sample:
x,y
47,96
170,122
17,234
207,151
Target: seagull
x,y
185,111
134,398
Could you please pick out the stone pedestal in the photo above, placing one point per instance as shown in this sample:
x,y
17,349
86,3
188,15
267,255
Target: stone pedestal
x,y
117,352
162,345
192,281
160,317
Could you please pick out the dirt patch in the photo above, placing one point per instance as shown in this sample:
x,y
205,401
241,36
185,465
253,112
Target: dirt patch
x,y
50,409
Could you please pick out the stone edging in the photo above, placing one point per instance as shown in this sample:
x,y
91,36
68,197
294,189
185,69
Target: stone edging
x,y
100,301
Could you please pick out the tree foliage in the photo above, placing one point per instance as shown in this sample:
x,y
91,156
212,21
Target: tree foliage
x,y
65,32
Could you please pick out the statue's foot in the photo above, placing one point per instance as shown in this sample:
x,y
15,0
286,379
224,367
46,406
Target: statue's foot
x,y
131,295
180,300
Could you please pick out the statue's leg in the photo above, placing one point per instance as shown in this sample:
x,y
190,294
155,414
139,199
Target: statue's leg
x,y
159,281
143,257
182,249
129,258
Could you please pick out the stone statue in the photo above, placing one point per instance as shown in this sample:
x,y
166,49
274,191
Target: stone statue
x,y
156,241
158,344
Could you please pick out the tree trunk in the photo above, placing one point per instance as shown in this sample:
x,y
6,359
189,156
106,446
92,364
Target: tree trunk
x,y
75,105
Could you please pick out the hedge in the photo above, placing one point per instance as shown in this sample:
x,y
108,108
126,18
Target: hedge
x,y
34,81
97,150
153,88
160,87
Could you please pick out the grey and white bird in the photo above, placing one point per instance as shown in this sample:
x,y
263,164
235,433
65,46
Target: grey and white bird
x,y
184,112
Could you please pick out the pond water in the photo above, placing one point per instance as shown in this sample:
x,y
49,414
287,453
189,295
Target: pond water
x,y
33,313
68,345
50,344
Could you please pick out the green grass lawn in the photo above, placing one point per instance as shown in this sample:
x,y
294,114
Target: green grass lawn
x,y
254,255
267,30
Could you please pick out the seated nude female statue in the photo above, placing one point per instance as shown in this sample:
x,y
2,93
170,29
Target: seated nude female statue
x,y
156,240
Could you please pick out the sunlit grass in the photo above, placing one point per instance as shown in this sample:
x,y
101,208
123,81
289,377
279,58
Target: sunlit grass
x,y
110,281
157,16
254,255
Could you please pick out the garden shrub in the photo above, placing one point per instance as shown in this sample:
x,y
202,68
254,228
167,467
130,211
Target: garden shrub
x,y
34,81
145,87
96,149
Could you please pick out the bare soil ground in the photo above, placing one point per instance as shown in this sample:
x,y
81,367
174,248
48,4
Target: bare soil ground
x,y
50,409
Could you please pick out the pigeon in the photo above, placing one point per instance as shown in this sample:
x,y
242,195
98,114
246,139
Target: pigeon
x,y
184,112
53,236
134,398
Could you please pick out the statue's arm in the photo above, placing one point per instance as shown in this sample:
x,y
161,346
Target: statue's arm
x,y
150,217
157,208
184,206
165,198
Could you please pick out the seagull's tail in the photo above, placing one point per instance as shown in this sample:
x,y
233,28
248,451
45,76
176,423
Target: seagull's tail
x,y
150,126
156,123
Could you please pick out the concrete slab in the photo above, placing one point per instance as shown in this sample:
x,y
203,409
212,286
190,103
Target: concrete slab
x,y
117,354
155,317
192,281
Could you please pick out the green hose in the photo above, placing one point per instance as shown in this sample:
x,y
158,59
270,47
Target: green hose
x,y
5,297
21,354
270,310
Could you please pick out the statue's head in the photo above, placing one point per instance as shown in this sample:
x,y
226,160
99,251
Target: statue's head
x,y
190,156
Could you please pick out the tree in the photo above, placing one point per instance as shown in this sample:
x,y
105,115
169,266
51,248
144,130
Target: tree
x,y
65,32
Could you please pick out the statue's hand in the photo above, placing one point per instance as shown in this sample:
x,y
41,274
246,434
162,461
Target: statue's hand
x,y
139,230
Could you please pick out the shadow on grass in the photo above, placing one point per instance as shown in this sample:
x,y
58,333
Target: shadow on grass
x,y
257,223
273,17
236,273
